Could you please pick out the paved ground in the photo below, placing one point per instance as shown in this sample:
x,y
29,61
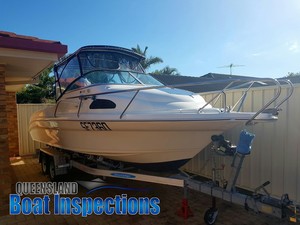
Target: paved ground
x,y
28,169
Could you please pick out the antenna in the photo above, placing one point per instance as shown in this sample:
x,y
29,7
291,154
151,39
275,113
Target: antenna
x,y
230,67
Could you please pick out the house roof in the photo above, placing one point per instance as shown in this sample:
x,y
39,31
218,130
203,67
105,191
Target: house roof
x,y
174,80
30,43
293,79
224,76
25,57
219,81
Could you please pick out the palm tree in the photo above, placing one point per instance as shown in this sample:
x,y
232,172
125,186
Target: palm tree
x,y
170,71
148,60
167,71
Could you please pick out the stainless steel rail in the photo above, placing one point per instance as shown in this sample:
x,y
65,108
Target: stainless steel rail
x,y
222,93
264,108
241,100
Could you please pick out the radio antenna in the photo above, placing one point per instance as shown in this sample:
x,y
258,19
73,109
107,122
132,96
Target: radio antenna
x,y
230,67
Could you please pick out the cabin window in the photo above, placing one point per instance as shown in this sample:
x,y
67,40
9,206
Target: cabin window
x,y
102,104
91,61
69,74
111,77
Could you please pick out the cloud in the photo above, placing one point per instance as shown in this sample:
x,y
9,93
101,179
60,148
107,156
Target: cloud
x,y
255,54
293,46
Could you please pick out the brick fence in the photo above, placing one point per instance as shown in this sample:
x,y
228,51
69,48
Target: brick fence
x,y
5,168
12,124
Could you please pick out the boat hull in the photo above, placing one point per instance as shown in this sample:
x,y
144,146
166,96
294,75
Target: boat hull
x,y
142,142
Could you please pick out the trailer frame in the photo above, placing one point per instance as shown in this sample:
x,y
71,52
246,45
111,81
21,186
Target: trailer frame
x,y
56,162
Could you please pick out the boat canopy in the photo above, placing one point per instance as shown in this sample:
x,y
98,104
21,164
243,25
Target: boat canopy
x,y
100,65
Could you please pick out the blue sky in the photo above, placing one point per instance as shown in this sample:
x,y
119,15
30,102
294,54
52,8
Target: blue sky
x,y
194,36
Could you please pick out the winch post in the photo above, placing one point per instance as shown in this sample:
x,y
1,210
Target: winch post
x,y
236,166
243,148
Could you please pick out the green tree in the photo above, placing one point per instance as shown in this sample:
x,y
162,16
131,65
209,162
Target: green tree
x,y
167,71
293,74
151,60
38,93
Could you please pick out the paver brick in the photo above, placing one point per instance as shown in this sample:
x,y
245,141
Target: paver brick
x,y
229,214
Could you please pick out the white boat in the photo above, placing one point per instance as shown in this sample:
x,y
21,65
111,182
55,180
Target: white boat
x,y
108,107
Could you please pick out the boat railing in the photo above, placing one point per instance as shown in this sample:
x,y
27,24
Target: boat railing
x,y
246,84
276,107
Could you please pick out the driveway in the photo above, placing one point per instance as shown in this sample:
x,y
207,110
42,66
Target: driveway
x,y
27,169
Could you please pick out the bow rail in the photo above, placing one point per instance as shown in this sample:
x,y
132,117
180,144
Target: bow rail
x,y
233,85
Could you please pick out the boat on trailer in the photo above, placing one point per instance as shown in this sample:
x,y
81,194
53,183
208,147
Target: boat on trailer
x,y
109,108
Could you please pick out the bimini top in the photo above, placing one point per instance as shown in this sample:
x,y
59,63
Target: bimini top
x,y
99,64
104,48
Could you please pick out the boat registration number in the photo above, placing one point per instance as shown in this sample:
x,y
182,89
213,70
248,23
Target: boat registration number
x,y
90,125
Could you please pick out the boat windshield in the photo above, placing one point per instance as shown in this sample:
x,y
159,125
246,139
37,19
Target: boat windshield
x,y
147,79
100,67
114,77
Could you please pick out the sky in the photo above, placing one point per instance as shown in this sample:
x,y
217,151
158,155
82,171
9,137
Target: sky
x,y
194,36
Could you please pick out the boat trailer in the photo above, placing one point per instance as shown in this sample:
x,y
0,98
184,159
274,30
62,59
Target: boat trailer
x,y
55,162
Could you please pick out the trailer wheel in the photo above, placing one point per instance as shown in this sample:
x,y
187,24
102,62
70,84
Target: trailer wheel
x,y
210,216
52,172
45,164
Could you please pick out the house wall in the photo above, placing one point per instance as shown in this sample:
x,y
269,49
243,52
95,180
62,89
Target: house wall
x,y
275,155
5,168
12,124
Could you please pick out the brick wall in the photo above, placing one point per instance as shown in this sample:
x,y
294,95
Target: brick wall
x,y
12,124
5,168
